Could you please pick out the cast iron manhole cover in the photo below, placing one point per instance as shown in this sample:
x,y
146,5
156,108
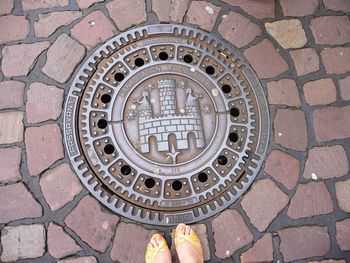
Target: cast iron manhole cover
x,y
165,124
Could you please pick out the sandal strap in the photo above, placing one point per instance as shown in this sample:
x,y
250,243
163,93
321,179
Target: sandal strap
x,y
152,252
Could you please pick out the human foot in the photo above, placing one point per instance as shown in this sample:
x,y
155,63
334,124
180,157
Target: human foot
x,y
188,245
157,250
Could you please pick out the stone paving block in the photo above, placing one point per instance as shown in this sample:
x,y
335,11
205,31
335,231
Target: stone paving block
x,y
298,7
328,261
290,129
125,235
11,127
44,147
92,223
288,33
265,59
83,4
336,60
6,7
326,162
343,234
337,5
305,60
18,60
62,58
13,28
49,22
230,233
344,85
259,9
126,14
238,29
332,123
283,167
304,242
11,94
44,102
320,92
93,29
88,259
284,91
202,14
263,202
26,206
10,161
59,243
170,10
331,30
342,189
22,242
310,199
59,186
35,4
261,251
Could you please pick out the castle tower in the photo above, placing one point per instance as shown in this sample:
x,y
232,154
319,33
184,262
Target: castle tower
x,y
167,97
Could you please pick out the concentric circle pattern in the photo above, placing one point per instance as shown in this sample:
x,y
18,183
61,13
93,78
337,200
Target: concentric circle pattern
x,y
166,124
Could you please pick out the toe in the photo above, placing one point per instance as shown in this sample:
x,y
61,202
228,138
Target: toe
x,y
188,230
181,228
154,242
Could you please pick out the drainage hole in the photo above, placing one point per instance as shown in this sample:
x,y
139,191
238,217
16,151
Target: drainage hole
x,y
222,160
234,112
202,177
163,56
233,137
149,182
102,123
210,70
139,62
106,98
119,76
226,88
109,149
125,169
176,185
188,58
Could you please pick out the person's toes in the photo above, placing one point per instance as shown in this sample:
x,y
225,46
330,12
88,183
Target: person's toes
x,y
182,229
153,242
188,230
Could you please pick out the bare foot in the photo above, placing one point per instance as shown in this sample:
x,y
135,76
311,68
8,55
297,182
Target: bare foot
x,y
164,255
186,251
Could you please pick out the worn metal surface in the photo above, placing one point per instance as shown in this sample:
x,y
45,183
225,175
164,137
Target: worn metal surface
x,y
165,124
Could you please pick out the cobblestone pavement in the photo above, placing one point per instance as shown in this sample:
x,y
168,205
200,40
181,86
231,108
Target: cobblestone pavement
x,y
297,209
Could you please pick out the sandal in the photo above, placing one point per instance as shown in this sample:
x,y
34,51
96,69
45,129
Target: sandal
x,y
192,238
152,252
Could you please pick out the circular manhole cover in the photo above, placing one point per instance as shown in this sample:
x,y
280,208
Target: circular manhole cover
x,y
165,124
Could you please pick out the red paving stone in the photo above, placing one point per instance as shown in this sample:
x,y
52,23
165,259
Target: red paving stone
x,y
331,30
331,123
44,147
284,91
300,96
305,60
202,14
262,192
59,186
326,162
94,29
320,92
94,226
230,233
10,160
12,93
238,29
265,60
261,251
310,199
59,243
283,167
290,129
26,206
44,102
304,242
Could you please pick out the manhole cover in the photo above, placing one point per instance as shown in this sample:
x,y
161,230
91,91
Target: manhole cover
x,y
165,124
